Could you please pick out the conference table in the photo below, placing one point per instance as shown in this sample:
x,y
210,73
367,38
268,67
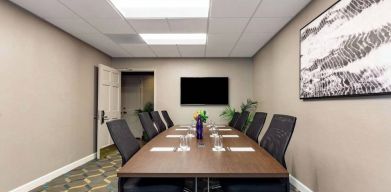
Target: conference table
x,y
160,157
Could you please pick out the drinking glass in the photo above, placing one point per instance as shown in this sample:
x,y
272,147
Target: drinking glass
x,y
190,132
183,142
218,144
214,132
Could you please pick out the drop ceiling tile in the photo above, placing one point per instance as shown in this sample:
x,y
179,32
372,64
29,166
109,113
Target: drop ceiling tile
x,y
217,51
280,8
223,38
118,52
244,51
150,26
248,38
266,25
220,45
104,44
126,38
188,25
227,25
233,8
138,50
91,8
72,26
52,9
111,26
192,50
249,44
165,50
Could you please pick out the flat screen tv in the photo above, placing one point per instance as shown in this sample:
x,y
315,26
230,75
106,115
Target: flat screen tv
x,y
204,91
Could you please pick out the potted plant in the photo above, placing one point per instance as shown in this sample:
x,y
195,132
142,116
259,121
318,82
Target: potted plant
x,y
250,106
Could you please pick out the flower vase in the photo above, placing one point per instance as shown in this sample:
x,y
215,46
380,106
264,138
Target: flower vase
x,y
199,127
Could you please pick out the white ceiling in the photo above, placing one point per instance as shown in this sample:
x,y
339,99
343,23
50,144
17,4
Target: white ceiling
x,y
235,28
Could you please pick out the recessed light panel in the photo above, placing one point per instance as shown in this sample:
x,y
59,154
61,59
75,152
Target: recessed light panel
x,y
162,8
175,39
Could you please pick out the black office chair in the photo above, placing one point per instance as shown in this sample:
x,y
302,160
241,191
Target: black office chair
x,y
241,122
278,136
127,146
147,125
158,121
234,119
167,119
256,126
275,141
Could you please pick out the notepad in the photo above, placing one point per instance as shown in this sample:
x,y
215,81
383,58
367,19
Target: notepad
x,y
162,149
220,126
218,150
224,129
185,126
181,129
230,136
180,149
173,136
242,149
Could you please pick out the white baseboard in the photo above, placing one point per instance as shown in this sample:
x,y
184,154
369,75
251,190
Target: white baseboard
x,y
52,175
299,185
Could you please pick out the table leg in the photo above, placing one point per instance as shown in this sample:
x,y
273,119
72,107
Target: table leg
x,y
195,184
208,184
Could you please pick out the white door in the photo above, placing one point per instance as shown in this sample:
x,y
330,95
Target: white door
x,y
109,102
132,100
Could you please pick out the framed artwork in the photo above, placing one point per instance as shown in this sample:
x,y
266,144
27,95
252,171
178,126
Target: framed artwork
x,y
346,50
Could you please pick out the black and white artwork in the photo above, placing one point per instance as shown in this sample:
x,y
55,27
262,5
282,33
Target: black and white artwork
x,y
346,50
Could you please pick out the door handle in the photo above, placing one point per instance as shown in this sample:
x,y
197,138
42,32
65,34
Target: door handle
x,y
103,117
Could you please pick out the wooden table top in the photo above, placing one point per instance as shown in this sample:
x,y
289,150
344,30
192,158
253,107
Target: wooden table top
x,y
202,161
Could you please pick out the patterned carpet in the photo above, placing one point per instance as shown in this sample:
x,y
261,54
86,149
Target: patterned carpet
x,y
100,176
97,175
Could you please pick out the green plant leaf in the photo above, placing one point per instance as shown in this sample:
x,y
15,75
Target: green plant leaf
x,y
249,106
148,107
228,113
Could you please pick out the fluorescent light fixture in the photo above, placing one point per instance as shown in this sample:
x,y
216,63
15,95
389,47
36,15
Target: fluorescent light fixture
x,y
162,8
175,39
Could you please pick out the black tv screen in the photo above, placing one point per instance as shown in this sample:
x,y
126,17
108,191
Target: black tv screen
x,y
204,90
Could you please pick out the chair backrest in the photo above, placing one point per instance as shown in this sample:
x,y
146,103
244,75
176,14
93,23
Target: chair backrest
x,y
123,138
234,119
167,119
256,126
277,137
147,124
241,122
158,121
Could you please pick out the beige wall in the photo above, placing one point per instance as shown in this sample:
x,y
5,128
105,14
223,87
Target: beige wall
x,y
169,71
339,145
148,89
46,97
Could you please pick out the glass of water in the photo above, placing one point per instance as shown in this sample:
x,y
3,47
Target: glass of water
x,y
218,143
190,132
214,132
183,142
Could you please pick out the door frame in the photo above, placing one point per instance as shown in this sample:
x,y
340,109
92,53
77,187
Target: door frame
x,y
144,70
